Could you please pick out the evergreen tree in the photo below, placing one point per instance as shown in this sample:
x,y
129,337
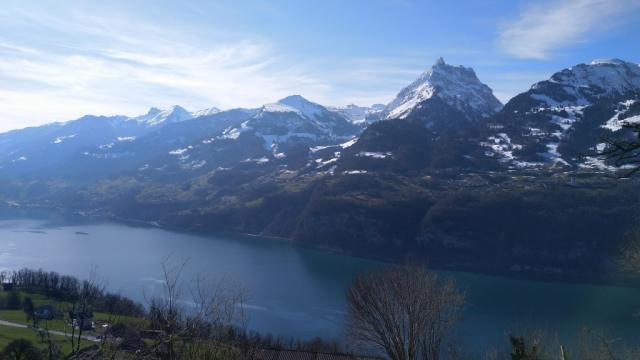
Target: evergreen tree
x,y
13,301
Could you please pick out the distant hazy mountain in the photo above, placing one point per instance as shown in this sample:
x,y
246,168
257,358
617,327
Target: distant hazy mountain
x,y
173,141
360,115
73,149
274,135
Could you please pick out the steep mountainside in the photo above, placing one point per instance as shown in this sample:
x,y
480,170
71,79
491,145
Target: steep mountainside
x,y
457,86
565,120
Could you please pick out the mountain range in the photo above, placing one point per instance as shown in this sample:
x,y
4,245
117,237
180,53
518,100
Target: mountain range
x,y
444,173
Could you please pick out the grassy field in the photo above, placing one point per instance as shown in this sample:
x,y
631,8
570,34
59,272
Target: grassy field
x,y
60,323
20,317
9,333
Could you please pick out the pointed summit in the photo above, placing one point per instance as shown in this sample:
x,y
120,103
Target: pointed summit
x,y
458,86
295,101
305,107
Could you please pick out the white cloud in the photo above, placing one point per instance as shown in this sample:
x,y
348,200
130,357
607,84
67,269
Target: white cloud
x,y
544,27
90,65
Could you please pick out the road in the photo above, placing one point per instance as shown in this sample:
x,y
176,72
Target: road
x,y
52,332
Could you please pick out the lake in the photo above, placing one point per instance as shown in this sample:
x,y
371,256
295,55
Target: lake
x,y
299,292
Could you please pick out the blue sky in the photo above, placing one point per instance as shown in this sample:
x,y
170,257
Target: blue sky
x,y
60,60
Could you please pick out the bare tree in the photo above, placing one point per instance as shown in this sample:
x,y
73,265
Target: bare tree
x,y
405,312
88,294
188,315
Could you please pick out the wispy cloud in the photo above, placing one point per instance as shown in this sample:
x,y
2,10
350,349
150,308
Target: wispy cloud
x,y
547,26
88,65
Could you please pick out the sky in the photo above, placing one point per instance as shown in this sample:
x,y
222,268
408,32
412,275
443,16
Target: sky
x,y
60,60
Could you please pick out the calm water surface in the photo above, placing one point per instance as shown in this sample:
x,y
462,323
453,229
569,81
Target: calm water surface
x,y
299,292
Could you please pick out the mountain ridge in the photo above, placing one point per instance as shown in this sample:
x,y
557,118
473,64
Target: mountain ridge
x,y
521,192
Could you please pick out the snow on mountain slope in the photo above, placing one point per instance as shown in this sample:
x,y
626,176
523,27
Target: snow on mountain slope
x,y
584,84
358,114
563,120
458,86
157,116
205,112
305,107
294,119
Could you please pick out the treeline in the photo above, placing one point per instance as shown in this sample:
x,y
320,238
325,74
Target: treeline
x,y
251,339
69,288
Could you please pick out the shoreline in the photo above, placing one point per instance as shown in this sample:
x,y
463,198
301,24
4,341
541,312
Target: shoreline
x,y
605,280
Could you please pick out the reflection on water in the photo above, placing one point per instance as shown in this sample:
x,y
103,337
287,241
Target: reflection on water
x,y
300,292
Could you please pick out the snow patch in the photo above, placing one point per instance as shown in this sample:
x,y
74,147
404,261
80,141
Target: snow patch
x,y
262,160
348,143
180,151
615,123
374,154
205,112
60,139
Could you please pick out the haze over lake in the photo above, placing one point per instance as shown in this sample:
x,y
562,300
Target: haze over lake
x,y
299,292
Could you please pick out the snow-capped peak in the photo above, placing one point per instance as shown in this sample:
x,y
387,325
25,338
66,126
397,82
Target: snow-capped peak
x,y
613,61
205,112
581,84
305,107
156,116
458,86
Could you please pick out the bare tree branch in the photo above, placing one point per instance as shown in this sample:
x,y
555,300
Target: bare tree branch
x,y
405,312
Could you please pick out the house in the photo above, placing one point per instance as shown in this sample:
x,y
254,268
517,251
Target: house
x,y
44,312
305,355
81,320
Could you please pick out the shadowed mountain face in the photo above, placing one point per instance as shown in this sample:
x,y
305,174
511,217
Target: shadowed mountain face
x,y
443,173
